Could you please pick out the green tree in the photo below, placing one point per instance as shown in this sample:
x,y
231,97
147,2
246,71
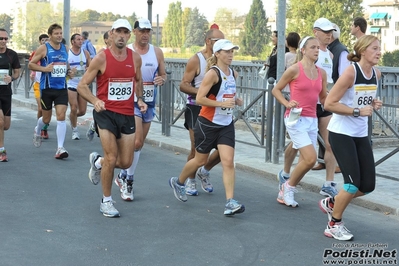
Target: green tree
x,y
196,29
184,22
302,14
132,18
230,23
89,15
5,22
109,16
172,31
391,59
31,24
255,35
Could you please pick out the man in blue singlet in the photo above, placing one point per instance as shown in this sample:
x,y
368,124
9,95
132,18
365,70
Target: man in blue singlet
x,y
53,57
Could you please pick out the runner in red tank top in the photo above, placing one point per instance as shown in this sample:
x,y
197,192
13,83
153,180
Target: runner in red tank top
x,y
118,72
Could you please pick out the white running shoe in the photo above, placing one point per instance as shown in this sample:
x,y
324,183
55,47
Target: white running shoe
x,y
75,135
338,231
90,132
37,140
61,153
94,173
108,210
288,195
127,190
179,191
327,207
191,187
205,183
119,179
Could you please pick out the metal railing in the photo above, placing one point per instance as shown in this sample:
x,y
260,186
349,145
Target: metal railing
x,y
260,115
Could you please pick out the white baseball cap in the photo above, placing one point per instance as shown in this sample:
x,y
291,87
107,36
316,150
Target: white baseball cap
x,y
224,44
323,24
337,32
143,24
121,23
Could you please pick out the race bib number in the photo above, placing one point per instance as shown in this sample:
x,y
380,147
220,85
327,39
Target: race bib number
x,y
3,74
148,92
224,110
59,70
120,89
364,95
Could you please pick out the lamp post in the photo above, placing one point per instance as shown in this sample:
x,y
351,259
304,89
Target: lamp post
x,y
67,20
149,2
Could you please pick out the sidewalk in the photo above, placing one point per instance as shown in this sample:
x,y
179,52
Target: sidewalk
x,y
385,198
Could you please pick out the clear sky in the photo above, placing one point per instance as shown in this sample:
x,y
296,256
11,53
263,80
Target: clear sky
x,y
140,7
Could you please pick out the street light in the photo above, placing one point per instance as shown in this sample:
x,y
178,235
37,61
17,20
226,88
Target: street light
x,y
149,2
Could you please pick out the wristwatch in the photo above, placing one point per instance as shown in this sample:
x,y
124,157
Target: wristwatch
x,y
356,112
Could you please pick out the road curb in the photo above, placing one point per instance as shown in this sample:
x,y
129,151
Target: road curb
x,y
272,176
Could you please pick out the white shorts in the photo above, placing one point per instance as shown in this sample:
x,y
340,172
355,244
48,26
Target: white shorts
x,y
304,132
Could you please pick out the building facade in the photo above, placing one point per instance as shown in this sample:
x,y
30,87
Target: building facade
x,y
96,30
384,23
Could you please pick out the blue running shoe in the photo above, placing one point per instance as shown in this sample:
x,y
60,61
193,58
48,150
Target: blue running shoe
x,y
281,179
232,207
179,191
205,183
191,187
329,191
90,132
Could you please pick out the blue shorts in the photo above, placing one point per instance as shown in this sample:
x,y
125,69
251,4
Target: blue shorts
x,y
147,117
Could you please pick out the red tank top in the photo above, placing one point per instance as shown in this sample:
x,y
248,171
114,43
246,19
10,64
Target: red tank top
x,y
115,87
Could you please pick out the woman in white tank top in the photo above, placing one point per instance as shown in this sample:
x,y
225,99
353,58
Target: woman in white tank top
x,y
352,100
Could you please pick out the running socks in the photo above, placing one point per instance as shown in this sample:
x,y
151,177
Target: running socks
x,y
106,199
204,171
39,125
334,220
61,132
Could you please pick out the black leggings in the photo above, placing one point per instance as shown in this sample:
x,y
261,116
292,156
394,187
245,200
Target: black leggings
x,y
356,160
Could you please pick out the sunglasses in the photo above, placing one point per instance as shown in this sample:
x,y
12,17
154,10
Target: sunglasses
x,y
325,32
3,38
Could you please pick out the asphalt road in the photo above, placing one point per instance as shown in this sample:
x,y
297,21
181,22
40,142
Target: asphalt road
x,y
50,214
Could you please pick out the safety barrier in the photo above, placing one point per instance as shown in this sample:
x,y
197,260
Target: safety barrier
x,y
260,115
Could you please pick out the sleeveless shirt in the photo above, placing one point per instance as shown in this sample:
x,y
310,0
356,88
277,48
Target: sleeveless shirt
x,y
196,82
149,68
306,92
57,78
221,91
325,62
79,62
347,124
116,85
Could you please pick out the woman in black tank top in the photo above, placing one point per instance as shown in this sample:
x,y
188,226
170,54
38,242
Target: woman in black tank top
x,y
351,107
